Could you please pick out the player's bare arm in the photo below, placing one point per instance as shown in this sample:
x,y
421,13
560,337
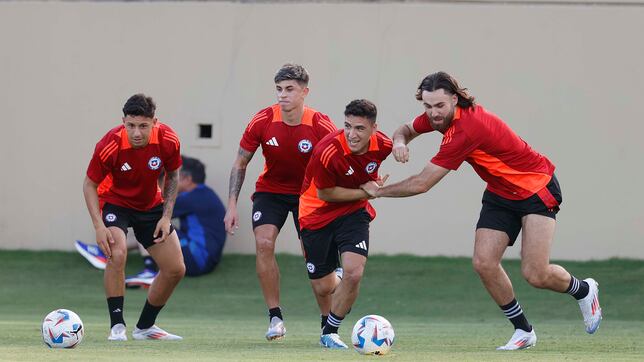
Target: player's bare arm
x,y
103,235
341,194
413,185
402,136
170,190
237,176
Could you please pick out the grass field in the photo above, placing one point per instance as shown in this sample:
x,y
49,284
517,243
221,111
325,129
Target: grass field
x,y
437,306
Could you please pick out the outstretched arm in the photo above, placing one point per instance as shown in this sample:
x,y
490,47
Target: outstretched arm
x,y
402,136
237,175
413,185
342,194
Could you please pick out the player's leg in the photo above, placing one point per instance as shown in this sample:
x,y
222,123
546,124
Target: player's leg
x,y
352,240
326,285
269,214
169,258
538,234
348,289
116,219
498,228
171,270
266,264
114,281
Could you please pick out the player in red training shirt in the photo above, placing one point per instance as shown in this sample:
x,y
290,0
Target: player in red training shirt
x,y
335,213
522,194
288,132
126,164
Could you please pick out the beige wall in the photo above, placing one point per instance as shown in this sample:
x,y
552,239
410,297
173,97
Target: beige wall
x,y
567,78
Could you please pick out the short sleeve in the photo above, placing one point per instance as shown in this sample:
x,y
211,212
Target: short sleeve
x,y
324,125
323,175
100,164
455,148
421,124
171,147
252,137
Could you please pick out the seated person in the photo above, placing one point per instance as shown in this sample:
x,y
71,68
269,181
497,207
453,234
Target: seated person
x,y
198,214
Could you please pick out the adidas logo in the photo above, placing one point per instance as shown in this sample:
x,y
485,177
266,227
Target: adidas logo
x,y
126,167
117,310
350,172
272,142
362,245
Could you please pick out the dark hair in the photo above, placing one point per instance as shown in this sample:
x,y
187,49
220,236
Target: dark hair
x,y
139,105
362,108
442,80
294,72
194,168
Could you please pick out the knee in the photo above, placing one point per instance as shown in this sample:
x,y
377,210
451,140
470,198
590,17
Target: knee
x,y
352,276
537,277
117,260
175,272
265,246
323,289
483,266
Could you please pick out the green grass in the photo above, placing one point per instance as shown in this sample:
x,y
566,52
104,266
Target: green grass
x,y
437,306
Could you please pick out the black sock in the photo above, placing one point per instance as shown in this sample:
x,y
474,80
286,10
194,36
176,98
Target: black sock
x,y
577,288
148,315
323,319
332,324
275,312
115,306
515,314
149,263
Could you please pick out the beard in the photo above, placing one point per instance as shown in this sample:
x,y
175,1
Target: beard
x,y
441,124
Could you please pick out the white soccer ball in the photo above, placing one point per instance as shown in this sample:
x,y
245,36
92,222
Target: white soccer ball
x,y
62,328
373,334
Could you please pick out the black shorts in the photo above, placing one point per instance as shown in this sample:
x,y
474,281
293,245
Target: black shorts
x,y
142,222
322,247
273,209
499,213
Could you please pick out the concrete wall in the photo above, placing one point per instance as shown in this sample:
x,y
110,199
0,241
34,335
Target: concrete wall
x,y
566,78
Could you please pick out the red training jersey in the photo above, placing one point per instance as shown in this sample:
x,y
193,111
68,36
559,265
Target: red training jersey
x,y
333,164
511,168
128,176
286,149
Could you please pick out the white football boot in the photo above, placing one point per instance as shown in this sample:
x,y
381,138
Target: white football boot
x,y
117,333
276,329
520,340
332,341
154,332
590,308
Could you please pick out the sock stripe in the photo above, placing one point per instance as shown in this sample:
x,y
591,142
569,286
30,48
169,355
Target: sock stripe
x,y
333,321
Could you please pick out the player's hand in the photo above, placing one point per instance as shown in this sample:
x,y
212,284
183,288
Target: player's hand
x,y
371,188
381,180
162,230
401,152
104,240
231,220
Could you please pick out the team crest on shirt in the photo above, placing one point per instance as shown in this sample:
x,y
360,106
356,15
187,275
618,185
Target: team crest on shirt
x,y
110,217
310,267
154,163
305,146
371,166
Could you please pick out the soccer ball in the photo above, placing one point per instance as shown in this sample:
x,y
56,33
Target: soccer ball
x,y
62,328
372,334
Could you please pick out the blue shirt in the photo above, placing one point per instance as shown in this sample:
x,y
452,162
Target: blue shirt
x,y
201,232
